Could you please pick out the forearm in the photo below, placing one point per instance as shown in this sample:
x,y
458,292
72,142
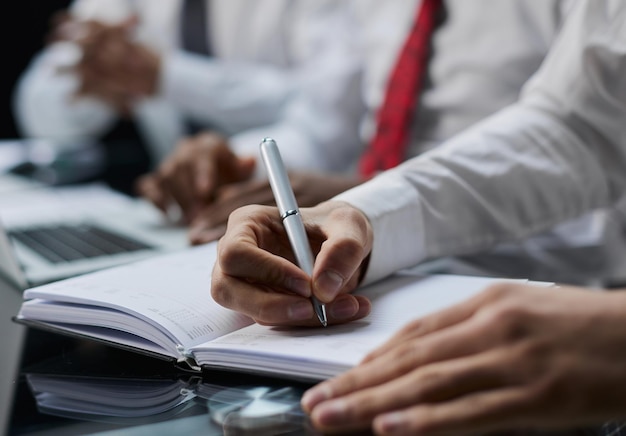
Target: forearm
x,y
555,155
490,185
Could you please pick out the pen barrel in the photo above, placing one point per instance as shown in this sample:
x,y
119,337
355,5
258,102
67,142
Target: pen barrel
x,y
277,175
299,243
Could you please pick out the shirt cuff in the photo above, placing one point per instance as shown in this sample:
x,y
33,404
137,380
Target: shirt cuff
x,y
392,207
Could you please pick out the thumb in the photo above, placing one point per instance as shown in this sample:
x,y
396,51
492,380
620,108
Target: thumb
x,y
348,243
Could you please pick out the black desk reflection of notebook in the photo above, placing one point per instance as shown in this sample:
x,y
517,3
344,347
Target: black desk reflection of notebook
x,y
112,387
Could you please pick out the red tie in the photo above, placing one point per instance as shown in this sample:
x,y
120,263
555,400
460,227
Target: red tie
x,y
394,117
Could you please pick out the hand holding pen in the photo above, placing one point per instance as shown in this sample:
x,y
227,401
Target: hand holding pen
x,y
257,272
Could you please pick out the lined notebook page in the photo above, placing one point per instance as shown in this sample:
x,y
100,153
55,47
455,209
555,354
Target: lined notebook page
x,y
171,292
323,352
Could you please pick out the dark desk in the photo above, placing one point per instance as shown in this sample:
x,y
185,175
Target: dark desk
x,y
57,385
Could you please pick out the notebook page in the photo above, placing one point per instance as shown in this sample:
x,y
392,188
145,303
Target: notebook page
x,y
323,352
171,292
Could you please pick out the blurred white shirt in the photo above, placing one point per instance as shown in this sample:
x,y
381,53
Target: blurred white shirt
x,y
286,69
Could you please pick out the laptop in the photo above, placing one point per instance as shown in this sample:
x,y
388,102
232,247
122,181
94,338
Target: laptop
x,y
51,233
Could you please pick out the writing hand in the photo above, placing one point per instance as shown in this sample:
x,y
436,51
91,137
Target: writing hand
x,y
256,273
514,356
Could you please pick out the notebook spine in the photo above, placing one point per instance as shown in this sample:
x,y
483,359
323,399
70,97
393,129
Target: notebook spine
x,y
186,361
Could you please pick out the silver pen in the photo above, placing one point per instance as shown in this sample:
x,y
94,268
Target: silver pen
x,y
290,215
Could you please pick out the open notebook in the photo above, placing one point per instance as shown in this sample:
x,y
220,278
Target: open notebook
x,y
163,306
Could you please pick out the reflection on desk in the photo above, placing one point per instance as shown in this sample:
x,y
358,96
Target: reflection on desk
x,y
94,388
131,402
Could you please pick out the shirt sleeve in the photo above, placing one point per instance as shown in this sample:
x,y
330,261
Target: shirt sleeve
x,y
557,153
44,105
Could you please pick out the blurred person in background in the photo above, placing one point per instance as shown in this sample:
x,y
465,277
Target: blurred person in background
x,y
237,70
470,75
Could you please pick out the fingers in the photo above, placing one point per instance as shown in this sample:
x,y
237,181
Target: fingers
x,y
281,309
242,253
203,179
148,187
438,321
245,168
255,274
210,222
348,242
451,343
198,167
440,384
175,181
484,412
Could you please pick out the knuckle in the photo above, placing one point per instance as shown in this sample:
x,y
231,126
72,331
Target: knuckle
x,y
414,326
348,247
350,214
221,291
229,254
498,291
265,314
407,356
167,170
511,322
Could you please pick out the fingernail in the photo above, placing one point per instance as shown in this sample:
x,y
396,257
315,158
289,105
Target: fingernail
x,y
390,422
300,311
344,308
300,287
314,396
328,285
331,412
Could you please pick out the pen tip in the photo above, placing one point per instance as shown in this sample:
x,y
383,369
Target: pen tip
x,y
321,314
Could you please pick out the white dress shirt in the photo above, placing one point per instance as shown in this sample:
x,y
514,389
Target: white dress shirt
x,y
281,68
483,53
552,156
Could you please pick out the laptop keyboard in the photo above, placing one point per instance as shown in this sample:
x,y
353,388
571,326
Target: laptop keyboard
x,y
65,243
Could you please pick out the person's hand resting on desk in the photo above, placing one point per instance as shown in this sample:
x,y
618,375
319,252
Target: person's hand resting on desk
x,y
513,357
310,189
191,176
208,181
256,274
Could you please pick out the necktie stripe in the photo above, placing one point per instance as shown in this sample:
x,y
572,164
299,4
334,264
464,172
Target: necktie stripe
x,y
387,148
